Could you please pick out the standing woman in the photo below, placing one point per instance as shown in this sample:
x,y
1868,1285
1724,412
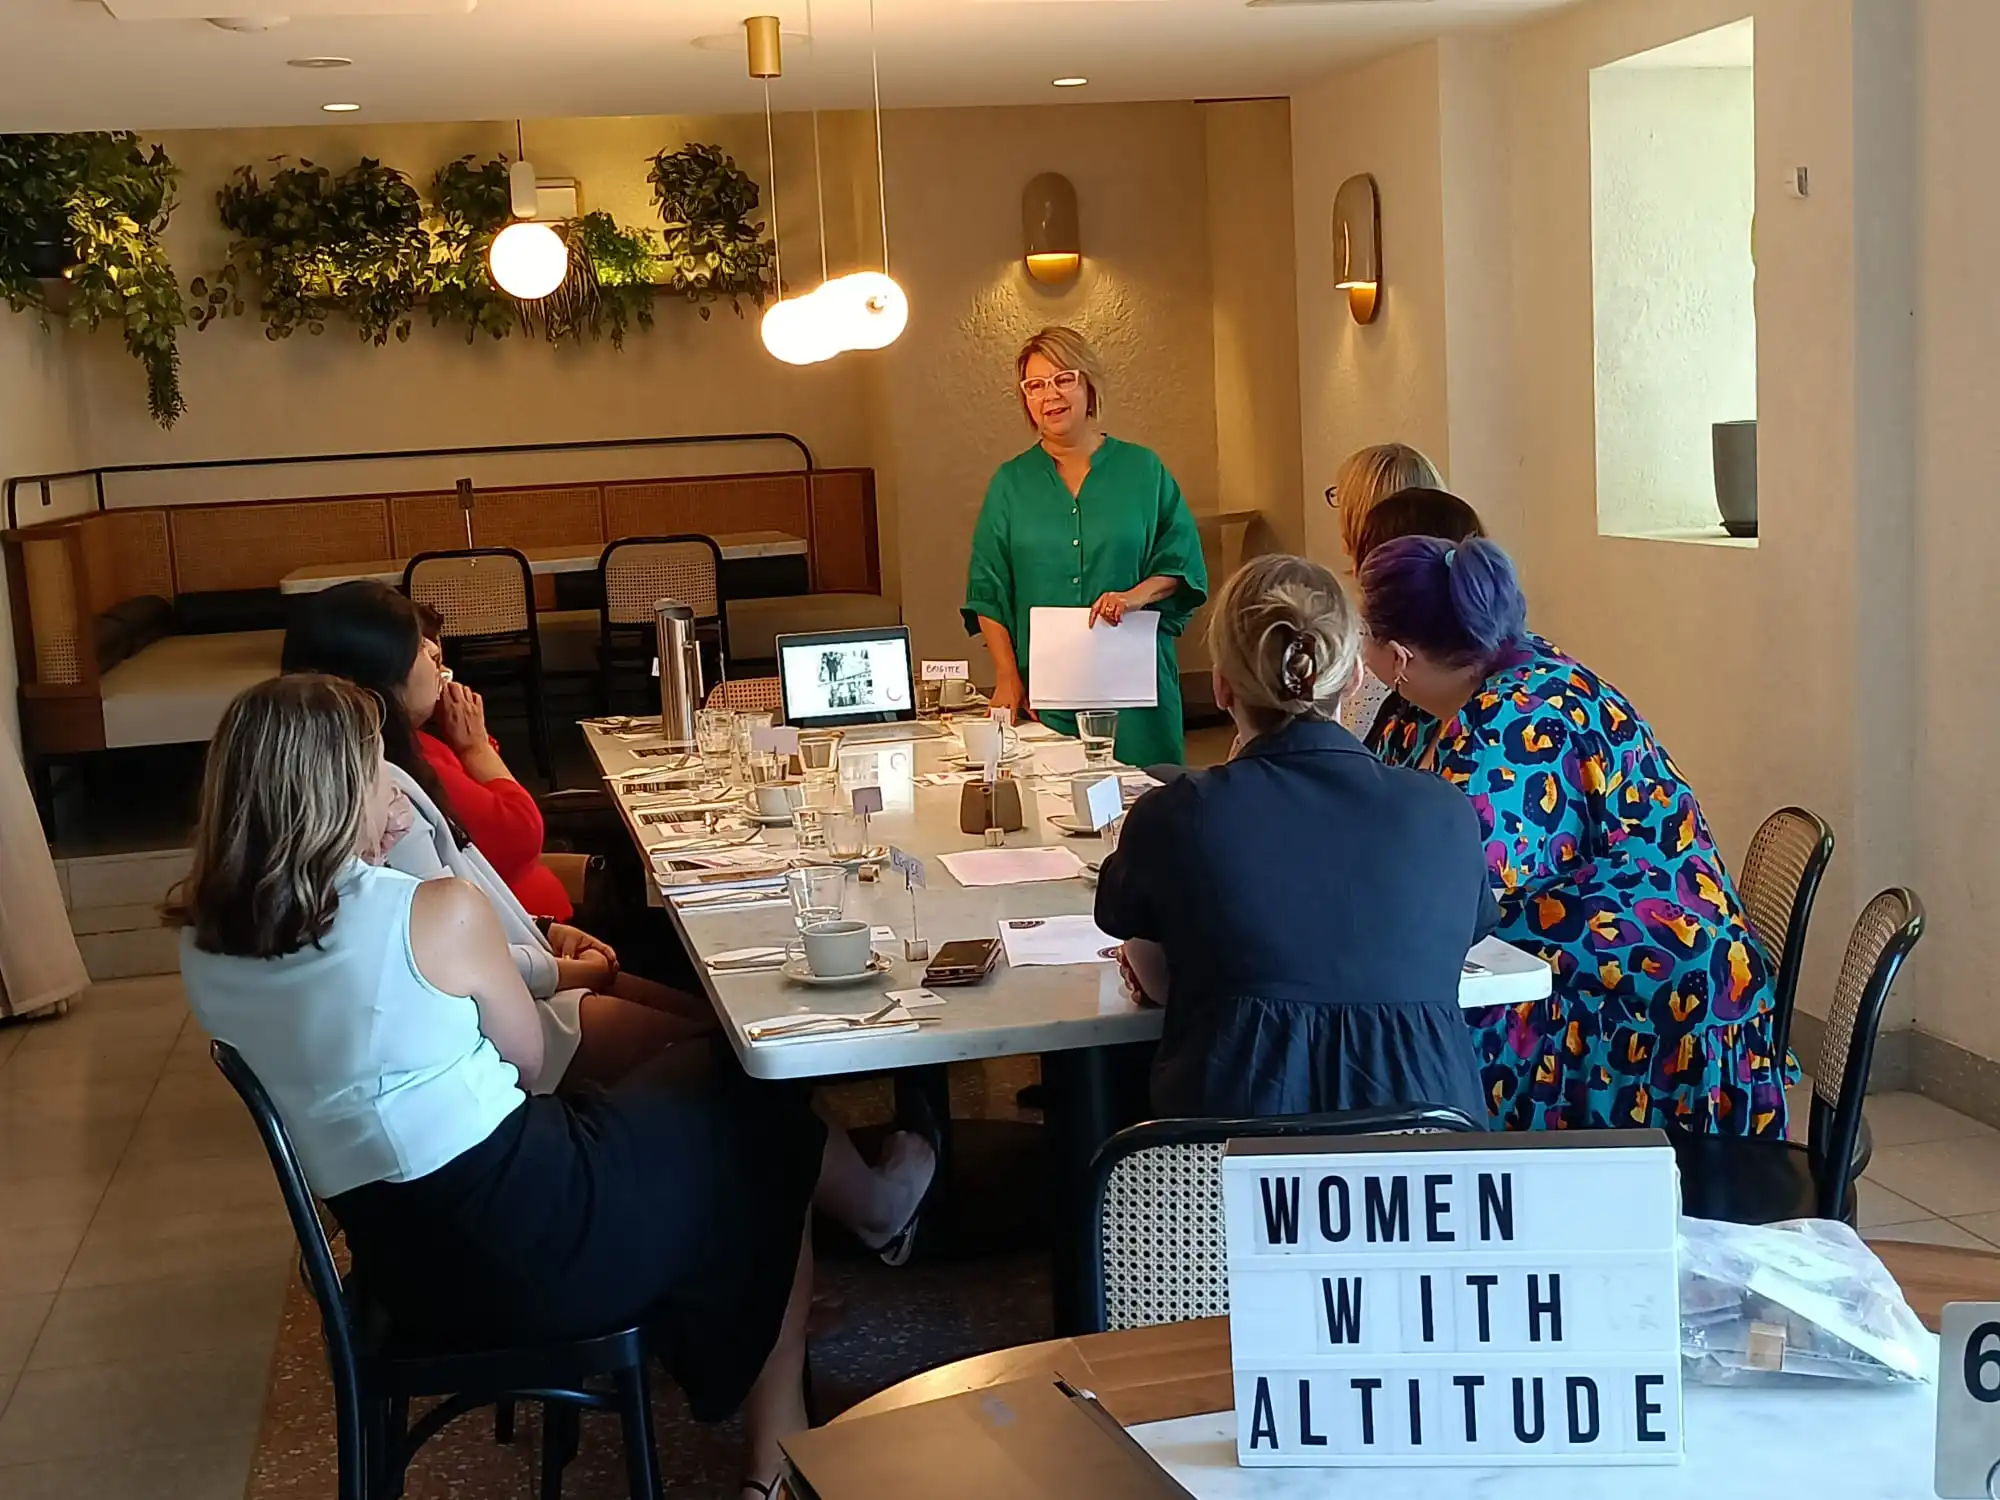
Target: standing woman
x,y
1605,867
1086,520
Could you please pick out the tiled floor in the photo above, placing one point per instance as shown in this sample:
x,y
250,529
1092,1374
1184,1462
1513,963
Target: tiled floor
x,y
144,1252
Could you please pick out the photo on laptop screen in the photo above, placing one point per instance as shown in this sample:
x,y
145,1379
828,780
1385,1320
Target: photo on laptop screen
x,y
846,677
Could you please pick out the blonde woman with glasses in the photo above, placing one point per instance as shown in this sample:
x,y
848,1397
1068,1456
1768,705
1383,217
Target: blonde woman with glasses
x,y
1368,477
1086,520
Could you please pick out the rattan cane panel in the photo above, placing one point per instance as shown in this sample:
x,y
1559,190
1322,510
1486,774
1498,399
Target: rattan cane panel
x,y
476,595
141,557
1876,927
714,505
1166,1259
254,546
52,610
538,518
424,523
746,695
638,576
843,534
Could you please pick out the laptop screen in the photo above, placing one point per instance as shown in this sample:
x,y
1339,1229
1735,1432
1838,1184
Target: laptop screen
x,y
846,677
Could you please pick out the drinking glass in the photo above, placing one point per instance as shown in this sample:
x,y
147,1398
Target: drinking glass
x,y
818,892
715,732
809,826
819,752
740,754
930,696
1098,729
846,833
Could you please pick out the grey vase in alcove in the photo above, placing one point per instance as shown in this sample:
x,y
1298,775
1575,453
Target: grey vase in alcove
x,y
1736,476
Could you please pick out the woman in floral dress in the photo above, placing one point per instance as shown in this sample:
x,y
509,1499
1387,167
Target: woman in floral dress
x,y
1603,863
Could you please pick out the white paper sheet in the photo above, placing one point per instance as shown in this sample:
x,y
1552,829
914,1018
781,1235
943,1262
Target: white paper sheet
x,y
1073,664
1011,866
1055,940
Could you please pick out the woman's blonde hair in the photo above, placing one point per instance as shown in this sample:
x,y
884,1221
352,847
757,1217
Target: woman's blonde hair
x,y
282,800
1285,637
1371,476
1066,349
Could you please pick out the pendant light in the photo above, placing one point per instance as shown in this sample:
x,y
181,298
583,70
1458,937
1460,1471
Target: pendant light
x,y
874,309
792,328
527,259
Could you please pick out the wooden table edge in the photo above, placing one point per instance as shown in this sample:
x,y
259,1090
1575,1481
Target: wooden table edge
x,y
1182,1369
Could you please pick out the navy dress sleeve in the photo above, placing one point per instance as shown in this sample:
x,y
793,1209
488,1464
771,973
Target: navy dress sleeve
x,y
1131,898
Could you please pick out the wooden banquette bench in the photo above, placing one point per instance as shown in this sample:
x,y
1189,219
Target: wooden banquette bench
x,y
137,626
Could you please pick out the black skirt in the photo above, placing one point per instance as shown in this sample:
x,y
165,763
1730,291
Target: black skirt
x,y
677,1202
1250,1058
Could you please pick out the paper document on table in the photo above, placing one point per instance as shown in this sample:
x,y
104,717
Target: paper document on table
x,y
1055,940
974,867
1074,664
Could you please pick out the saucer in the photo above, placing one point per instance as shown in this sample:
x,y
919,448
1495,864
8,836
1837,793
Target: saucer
x,y
764,819
795,969
873,856
1067,825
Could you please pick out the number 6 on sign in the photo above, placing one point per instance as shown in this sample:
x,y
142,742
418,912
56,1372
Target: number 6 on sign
x,y
1968,1407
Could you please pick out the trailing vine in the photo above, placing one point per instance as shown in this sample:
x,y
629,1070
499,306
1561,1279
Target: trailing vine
x,y
89,208
473,205
713,247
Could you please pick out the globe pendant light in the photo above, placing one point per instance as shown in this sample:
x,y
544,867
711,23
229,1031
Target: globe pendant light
x,y
877,309
528,260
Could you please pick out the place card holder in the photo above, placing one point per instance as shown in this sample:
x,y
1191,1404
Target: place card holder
x,y
982,806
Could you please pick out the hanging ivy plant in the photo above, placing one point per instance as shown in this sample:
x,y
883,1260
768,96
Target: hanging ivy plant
x,y
614,275
321,246
90,207
473,205
713,247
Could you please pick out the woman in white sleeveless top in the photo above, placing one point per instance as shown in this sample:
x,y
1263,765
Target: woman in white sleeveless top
x,y
386,1018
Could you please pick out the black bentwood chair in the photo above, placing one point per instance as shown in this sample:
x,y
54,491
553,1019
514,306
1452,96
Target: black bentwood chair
x,y
1155,1252
1786,861
1754,1180
375,1377
491,633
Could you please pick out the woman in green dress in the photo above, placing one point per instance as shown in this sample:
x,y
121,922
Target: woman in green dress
x,y
1085,520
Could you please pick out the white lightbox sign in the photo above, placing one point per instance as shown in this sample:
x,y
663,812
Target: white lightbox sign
x,y
1454,1299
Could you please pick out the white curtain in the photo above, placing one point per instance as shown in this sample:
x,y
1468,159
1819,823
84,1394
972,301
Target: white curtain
x,y
39,961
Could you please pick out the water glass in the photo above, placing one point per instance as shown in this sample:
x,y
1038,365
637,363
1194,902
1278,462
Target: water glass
x,y
846,833
822,790
1098,729
809,827
819,753
930,696
715,733
740,754
818,892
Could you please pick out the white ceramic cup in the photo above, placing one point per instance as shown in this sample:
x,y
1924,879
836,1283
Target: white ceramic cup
x,y
981,736
838,950
954,692
777,799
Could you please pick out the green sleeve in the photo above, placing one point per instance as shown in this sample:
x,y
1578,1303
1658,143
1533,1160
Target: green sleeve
x,y
1176,554
989,583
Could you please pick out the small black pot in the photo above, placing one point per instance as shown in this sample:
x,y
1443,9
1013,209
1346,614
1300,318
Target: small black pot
x,y
1736,476
48,251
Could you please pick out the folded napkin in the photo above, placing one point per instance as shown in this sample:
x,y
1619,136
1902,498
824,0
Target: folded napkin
x,y
747,960
820,1026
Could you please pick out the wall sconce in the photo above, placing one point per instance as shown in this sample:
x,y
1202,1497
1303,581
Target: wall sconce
x,y
1357,246
1051,241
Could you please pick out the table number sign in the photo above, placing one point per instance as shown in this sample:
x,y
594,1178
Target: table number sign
x,y
1968,1401
1454,1299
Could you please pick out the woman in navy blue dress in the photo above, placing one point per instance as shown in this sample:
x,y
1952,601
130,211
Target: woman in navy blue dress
x,y
1303,912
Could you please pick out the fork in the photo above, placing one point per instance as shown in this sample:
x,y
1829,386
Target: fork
x,y
880,1016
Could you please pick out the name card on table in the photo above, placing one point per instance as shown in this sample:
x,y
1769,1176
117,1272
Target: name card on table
x,y
1417,1301
775,739
947,671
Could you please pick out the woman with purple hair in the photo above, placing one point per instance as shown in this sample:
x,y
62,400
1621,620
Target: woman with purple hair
x,y
1603,863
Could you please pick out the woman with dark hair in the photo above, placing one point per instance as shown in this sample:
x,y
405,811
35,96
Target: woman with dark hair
x,y
1604,865
598,1021
383,1017
1411,512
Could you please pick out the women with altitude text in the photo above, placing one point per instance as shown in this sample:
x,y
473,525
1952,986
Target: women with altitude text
x,y
1661,1013
1302,912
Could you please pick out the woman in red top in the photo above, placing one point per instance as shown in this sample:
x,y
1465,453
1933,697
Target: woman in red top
x,y
497,813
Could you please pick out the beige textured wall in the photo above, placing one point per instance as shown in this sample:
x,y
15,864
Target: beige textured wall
x,y
1384,382
42,430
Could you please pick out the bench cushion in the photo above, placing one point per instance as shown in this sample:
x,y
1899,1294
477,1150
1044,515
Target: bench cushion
x,y
755,624
174,691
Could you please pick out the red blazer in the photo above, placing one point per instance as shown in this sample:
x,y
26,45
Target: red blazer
x,y
501,818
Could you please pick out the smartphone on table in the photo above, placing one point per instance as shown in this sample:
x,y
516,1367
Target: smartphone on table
x,y
963,961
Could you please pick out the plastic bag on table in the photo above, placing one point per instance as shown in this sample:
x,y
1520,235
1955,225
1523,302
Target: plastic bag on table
x,y
1802,1298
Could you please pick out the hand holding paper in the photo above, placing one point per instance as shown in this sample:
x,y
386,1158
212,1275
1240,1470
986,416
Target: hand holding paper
x,y
1073,664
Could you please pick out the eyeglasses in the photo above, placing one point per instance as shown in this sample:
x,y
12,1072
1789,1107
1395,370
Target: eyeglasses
x,y
1063,382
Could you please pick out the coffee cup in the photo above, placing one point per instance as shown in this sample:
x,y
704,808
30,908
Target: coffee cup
x,y
955,692
776,799
838,950
988,739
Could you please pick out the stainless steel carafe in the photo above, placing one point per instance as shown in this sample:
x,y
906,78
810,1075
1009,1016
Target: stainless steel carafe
x,y
679,669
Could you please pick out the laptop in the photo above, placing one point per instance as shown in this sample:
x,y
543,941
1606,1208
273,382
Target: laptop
x,y
1026,1440
856,681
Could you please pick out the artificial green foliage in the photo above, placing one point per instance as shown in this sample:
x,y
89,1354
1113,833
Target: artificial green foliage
x,y
614,274
713,248
473,205
99,201
322,246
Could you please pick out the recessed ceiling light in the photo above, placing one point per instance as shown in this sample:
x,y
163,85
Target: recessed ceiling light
x,y
1070,83
340,109
319,62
